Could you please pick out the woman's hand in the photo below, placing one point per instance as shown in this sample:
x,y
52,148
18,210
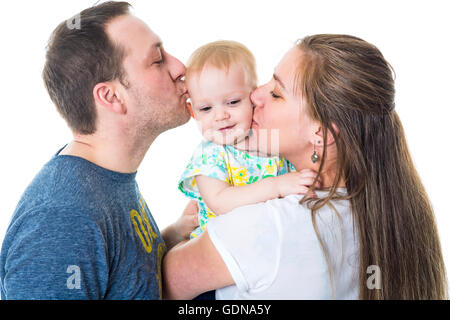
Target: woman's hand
x,y
182,228
296,183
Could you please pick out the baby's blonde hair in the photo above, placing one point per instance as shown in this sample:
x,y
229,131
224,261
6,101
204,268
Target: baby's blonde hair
x,y
222,54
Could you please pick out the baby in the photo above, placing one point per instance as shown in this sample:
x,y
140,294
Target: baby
x,y
220,77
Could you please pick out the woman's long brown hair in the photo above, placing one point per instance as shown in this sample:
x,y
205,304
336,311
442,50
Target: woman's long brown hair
x,y
347,82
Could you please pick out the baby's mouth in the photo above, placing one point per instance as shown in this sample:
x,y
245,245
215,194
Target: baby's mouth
x,y
227,128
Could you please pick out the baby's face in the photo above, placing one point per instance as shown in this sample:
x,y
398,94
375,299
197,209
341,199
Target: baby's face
x,y
221,103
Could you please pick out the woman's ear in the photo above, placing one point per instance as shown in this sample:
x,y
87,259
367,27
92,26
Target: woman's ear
x,y
318,137
106,95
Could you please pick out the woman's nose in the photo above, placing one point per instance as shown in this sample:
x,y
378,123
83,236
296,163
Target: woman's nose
x,y
256,97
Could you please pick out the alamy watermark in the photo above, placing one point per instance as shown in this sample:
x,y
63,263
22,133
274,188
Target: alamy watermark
x,y
74,280
262,141
374,280
74,22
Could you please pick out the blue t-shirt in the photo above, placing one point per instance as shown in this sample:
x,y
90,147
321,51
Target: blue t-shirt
x,y
81,232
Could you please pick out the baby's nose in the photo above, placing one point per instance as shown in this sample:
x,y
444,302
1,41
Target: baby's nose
x,y
221,114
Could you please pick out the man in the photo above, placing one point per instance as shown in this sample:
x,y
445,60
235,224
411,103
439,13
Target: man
x,y
82,230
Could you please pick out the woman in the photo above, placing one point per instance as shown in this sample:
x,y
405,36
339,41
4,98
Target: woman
x,y
370,234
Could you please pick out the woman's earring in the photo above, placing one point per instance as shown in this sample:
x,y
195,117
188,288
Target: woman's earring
x,y
315,156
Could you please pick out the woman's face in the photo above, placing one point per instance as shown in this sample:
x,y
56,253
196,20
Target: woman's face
x,y
280,120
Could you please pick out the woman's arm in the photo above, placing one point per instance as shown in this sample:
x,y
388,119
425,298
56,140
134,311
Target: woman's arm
x,y
221,198
192,268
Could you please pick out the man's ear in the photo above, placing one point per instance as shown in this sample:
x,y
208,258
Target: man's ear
x,y
106,95
318,138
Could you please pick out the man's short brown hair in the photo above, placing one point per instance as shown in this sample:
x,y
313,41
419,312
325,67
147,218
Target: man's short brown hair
x,y
78,57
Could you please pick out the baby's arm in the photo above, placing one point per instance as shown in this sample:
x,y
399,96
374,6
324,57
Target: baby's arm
x,y
221,198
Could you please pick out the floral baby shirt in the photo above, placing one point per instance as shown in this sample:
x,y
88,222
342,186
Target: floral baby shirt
x,y
227,164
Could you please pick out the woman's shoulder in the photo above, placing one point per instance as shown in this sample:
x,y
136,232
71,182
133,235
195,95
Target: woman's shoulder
x,y
263,212
294,199
287,211
286,203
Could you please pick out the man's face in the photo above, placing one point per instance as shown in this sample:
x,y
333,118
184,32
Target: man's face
x,y
156,95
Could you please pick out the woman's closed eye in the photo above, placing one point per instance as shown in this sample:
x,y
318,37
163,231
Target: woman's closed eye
x,y
274,95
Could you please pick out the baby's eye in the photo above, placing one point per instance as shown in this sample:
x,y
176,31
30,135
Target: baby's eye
x,y
205,109
233,102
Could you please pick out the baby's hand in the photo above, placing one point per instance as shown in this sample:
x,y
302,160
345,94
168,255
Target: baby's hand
x,y
296,182
188,221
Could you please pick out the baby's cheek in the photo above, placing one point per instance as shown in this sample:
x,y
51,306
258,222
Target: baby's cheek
x,y
202,126
208,133
249,117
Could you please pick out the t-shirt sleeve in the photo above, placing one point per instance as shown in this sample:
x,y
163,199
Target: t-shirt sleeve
x,y
56,254
241,238
209,159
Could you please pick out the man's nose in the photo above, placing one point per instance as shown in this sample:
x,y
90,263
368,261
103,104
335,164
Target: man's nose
x,y
177,69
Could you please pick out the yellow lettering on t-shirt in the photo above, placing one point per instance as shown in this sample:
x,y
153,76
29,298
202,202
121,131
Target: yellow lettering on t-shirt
x,y
145,214
142,225
140,230
161,251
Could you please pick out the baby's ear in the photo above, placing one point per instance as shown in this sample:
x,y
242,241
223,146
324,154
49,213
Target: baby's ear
x,y
189,106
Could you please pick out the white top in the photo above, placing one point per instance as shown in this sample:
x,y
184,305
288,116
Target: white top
x,y
272,251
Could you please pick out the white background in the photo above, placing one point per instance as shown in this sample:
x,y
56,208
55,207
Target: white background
x,y
412,35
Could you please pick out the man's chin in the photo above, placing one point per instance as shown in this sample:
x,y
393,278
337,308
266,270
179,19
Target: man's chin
x,y
183,115
176,122
182,120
